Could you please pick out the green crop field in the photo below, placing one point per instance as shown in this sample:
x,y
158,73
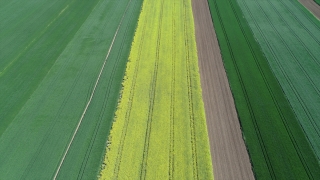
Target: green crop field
x,y
160,128
276,143
56,70
111,89
290,39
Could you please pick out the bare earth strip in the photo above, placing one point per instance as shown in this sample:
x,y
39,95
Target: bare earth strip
x,y
229,155
312,6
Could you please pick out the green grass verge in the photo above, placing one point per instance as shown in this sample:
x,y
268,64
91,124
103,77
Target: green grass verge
x,y
290,38
35,140
277,145
160,128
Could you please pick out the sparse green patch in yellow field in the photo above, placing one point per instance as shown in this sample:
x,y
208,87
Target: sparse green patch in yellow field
x,y
160,129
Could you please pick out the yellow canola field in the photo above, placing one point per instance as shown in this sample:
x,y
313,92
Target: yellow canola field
x,y
160,129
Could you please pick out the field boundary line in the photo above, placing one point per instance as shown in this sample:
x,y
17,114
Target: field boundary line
x,y
132,87
302,69
92,94
244,90
111,81
302,102
152,94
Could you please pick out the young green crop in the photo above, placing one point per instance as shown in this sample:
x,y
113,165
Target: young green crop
x,y
45,92
276,143
290,38
160,129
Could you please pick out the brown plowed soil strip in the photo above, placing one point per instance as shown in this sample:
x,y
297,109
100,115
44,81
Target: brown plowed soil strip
x,y
312,6
229,155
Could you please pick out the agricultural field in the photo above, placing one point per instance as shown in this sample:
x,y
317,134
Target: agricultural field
x,y
317,1
230,159
61,68
112,89
276,142
292,49
160,128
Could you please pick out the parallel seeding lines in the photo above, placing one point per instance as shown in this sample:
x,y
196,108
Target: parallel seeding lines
x,y
299,21
314,59
127,117
284,120
301,67
93,91
302,102
253,117
191,110
171,150
153,85
110,82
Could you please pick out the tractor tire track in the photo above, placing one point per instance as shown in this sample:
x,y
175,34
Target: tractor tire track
x,y
292,87
92,94
171,150
110,82
302,102
190,95
252,114
129,106
152,88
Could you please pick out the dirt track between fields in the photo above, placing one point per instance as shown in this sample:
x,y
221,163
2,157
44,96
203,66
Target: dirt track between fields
x,y
312,6
229,155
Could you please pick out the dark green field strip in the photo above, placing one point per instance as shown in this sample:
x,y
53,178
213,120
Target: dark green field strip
x,y
35,141
32,61
290,39
275,140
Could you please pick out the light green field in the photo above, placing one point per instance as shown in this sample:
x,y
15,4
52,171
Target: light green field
x,y
160,129
51,55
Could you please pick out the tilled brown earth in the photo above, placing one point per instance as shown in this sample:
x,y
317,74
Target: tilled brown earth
x,y
229,155
312,7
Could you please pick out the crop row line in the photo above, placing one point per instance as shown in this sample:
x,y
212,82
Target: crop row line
x,y
92,93
190,94
252,114
301,67
299,21
299,39
290,83
171,150
291,53
284,121
110,82
314,59
153,85
54,122
129,107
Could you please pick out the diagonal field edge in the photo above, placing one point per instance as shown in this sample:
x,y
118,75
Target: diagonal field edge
x,y
92,94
